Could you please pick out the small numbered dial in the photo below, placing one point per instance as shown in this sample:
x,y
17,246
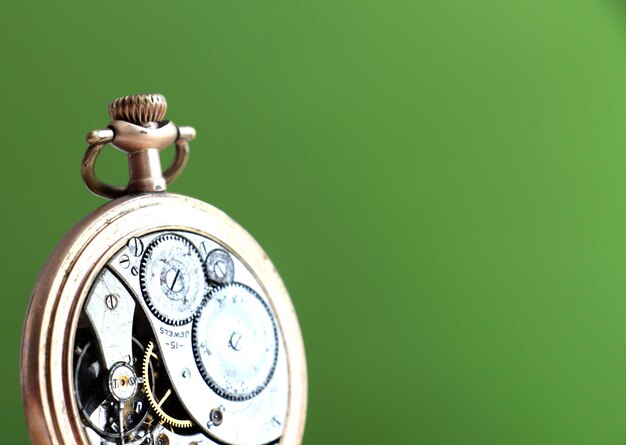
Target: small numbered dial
x,y
172,279
235,342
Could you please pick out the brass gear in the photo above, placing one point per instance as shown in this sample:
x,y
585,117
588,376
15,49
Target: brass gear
x,y
154,403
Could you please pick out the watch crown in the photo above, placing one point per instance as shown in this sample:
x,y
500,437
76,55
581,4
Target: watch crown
x,y
138,128
139,109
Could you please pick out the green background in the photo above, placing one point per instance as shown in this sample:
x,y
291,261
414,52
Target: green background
x,y
442,185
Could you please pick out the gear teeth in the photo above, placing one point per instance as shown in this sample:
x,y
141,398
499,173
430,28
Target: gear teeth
x,y
144,285
164,418
196,345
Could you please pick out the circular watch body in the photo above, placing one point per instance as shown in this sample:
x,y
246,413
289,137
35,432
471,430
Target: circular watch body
x,y
159,320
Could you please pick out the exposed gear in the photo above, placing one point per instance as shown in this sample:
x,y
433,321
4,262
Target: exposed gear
x,y
173,279
220,267
155,381
100,410
235,342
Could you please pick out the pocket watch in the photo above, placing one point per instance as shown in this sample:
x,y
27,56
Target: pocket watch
x,y
158,320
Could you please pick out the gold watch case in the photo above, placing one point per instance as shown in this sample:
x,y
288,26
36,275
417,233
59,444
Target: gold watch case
x,y
48,366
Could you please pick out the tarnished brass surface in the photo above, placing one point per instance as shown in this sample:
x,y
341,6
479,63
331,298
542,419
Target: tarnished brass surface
x,y
138,130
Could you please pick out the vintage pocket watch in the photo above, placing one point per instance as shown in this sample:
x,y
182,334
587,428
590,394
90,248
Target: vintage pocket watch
x,y
158,319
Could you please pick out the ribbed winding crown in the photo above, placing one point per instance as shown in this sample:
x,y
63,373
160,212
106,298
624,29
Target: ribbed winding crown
x,y
139,109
